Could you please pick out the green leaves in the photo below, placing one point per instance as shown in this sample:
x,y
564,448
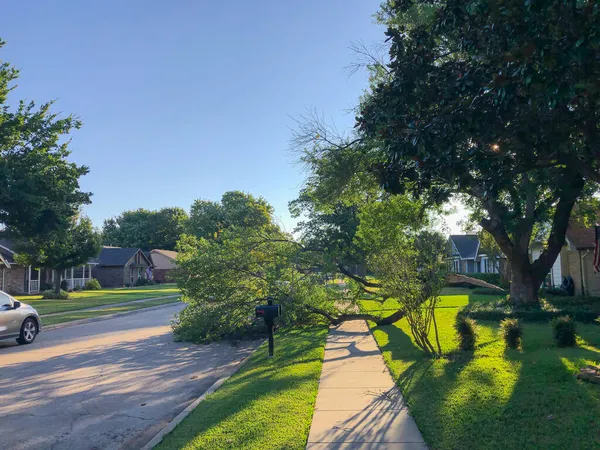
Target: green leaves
x,y
39,193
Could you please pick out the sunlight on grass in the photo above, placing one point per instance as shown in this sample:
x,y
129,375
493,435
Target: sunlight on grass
x,y
267,405
89,299
495,397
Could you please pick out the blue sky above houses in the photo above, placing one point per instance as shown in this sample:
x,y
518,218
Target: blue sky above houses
x,y
188,99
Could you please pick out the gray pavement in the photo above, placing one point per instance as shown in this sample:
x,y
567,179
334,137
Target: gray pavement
x,y
359,407
104,385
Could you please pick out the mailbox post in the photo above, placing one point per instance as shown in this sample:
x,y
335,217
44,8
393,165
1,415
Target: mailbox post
x,y
268,312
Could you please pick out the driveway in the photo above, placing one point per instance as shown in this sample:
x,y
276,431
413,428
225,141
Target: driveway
x,y
106,385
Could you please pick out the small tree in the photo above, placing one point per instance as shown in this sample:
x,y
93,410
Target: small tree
x,y
413,272
61,250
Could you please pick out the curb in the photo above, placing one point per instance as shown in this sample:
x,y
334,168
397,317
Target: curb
x,y
111,305
183,414
72,323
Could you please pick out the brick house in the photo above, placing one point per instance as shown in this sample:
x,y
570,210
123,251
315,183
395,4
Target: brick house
x,y
577,260
17,279
117,267
163,262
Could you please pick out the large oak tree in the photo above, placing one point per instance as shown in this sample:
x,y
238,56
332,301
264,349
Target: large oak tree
x,y
494,101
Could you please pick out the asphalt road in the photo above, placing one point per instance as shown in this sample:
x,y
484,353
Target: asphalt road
x,y
104,385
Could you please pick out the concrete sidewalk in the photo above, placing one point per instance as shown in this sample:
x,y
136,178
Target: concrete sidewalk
x,y
358,406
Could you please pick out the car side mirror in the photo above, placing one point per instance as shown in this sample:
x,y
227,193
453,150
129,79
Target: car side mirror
x,y
16,304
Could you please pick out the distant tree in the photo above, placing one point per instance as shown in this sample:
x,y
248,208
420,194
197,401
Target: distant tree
x,y
145,229
62,249
209,219
39,188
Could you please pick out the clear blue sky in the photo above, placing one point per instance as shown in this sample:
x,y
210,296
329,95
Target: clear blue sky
x,y
187,99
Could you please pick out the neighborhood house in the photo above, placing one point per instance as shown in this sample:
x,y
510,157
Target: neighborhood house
x,y
575,259
163,262
117,267
17,279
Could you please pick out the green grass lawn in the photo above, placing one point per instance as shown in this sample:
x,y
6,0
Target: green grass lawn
x,y
495,398
89,299
268,404
76,315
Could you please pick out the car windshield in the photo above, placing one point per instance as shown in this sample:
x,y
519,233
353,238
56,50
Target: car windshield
x,y
5,299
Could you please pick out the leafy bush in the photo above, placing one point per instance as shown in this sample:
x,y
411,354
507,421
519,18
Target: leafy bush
x,y
488,291
564,331
467,332
64,286
78,288
512,332
50,294
143,282
554,291
92,285
502,309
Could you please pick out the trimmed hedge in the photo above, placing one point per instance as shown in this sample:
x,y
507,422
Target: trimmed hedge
x,y
502,309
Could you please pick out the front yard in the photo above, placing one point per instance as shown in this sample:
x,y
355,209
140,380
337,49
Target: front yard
x,y
495,397
267,405
89,299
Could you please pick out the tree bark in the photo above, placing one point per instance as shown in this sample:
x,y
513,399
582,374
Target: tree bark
x,y
56,281
524,286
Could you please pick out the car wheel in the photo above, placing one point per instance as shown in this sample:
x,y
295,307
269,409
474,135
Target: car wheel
x,y
28,332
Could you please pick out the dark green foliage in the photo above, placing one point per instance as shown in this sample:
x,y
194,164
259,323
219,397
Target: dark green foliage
x,y
236,209
498,101
497,311
51,294
39,192
553,291
467,332
564,331
92,285
146,229
512,332
63,285
143,282
488,291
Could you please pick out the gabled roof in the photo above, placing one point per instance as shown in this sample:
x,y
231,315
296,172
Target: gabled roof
x,y
581,237
117,256
466,245
168,253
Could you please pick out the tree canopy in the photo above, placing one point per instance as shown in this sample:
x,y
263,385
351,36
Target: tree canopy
x,y
40,187
146,229
496,102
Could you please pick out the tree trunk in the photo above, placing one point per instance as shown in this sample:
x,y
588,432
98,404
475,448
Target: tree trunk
x,y
56,281
524,288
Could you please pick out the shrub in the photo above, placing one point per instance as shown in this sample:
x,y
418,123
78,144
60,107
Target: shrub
x,y
564,331
143,282
554,291
78,288
512,332
92,285
467,332
50,294
63,285
488,291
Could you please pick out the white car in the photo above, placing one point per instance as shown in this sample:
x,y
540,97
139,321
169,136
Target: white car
x,y
18,320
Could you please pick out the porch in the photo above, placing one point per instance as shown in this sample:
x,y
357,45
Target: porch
x,y
75,277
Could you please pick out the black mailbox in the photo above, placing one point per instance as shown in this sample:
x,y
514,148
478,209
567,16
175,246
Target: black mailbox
x,y
268,312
